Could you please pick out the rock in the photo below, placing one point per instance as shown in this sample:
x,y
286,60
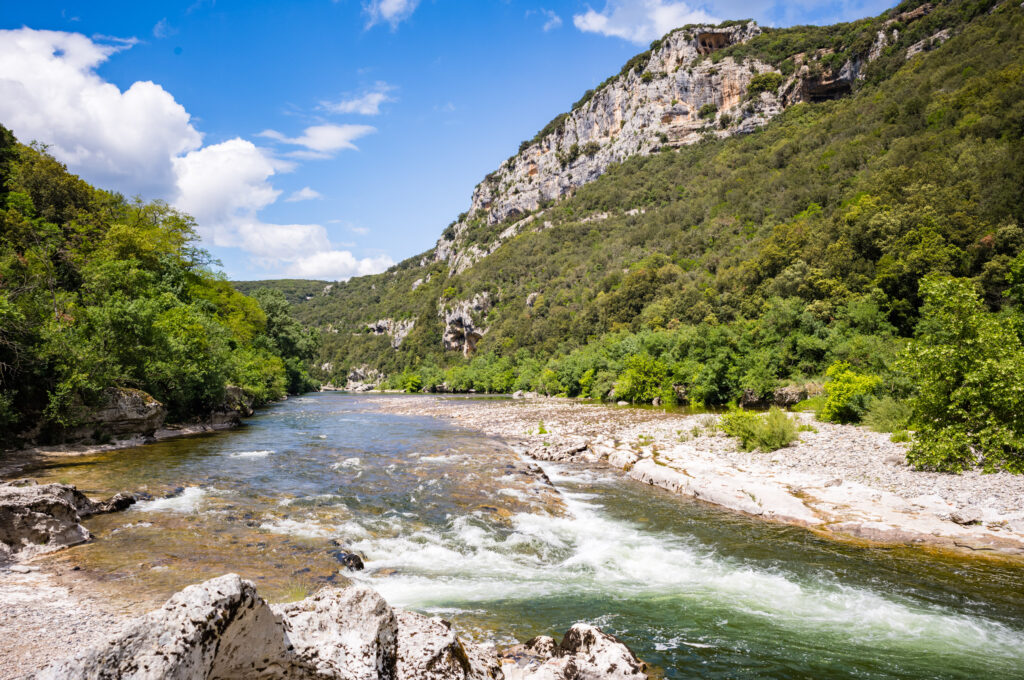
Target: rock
x,y
349,560
19,569
622,403
396,330
833,482
428,649
346,633
967,515
462,321
363,379
223,629
518,394
585,653
123,412
559,452
789,395
42,518
217,629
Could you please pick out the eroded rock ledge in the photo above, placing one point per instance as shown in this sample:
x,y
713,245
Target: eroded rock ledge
x,y
42,518
223,629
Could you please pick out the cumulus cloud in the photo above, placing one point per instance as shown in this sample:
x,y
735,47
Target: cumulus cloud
x,y
304,194
141,141
50,92
367,104
393,12
322,141
640,21
338,264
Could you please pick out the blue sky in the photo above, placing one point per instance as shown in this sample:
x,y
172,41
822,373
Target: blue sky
x,y
314,138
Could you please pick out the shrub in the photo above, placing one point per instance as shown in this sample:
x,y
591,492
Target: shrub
x,y
967,361
411,382
899,437
708,111
846,393
767,432
886,414
764,82
642,380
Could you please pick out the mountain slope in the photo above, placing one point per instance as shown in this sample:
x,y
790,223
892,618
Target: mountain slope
x,y
793,245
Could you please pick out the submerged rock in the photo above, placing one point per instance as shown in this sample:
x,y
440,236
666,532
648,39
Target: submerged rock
x,y
42,518
349,560
223,629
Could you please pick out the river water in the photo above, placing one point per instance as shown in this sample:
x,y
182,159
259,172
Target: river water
x,y
453,523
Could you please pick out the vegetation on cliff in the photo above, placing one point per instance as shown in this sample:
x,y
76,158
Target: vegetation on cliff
x,y
97,291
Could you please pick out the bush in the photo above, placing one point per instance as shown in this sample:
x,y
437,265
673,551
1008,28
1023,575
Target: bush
x,y
847,394
764,82
642,380
708,111
767,432
886,414
969,405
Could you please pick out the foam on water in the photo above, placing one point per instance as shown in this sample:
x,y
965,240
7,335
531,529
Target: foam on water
x,y
585,553
187,501
252,454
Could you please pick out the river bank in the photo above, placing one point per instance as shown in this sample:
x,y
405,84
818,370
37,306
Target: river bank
x,y
840,480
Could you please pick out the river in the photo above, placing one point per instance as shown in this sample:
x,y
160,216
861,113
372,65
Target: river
x,y
453,523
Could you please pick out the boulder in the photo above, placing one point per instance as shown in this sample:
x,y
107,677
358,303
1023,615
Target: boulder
x,y
217,629
585,653
968,515
42,518
222,629
429,649
347,559
123,412
789,395
348,633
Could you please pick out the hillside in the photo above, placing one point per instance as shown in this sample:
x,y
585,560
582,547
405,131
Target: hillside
x,y
889,153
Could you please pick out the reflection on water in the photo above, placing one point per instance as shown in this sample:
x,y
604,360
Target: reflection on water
x,y
453,523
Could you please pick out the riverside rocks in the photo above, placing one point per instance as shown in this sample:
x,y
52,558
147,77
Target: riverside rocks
x,y
223,629
585,653
42,518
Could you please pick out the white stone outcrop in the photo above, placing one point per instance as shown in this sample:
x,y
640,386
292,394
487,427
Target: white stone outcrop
x,y
222,629
463,325
396,330
41,518
586,653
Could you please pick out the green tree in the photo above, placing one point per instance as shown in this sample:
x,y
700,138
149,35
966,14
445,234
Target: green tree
x,y
967,363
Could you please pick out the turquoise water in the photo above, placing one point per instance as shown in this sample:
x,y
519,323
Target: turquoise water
x,y
450,523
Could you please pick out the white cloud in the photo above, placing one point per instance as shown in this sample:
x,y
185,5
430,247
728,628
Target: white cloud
x,y
393,12
552,20
50,92
322,140
338,264
304,194
367,104
640,21
162,29
362,231
142,141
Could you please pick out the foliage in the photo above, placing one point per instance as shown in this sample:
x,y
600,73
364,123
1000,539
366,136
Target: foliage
x,y
847,393
886,414
768,81
99,292
969,406
765,431
642,380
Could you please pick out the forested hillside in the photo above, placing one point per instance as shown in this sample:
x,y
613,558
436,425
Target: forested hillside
x,y
99,292
722,270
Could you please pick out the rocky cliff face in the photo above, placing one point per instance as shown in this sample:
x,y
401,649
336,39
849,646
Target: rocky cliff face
x,y
677,97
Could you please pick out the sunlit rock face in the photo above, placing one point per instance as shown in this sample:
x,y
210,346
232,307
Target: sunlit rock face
x,y
656,104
